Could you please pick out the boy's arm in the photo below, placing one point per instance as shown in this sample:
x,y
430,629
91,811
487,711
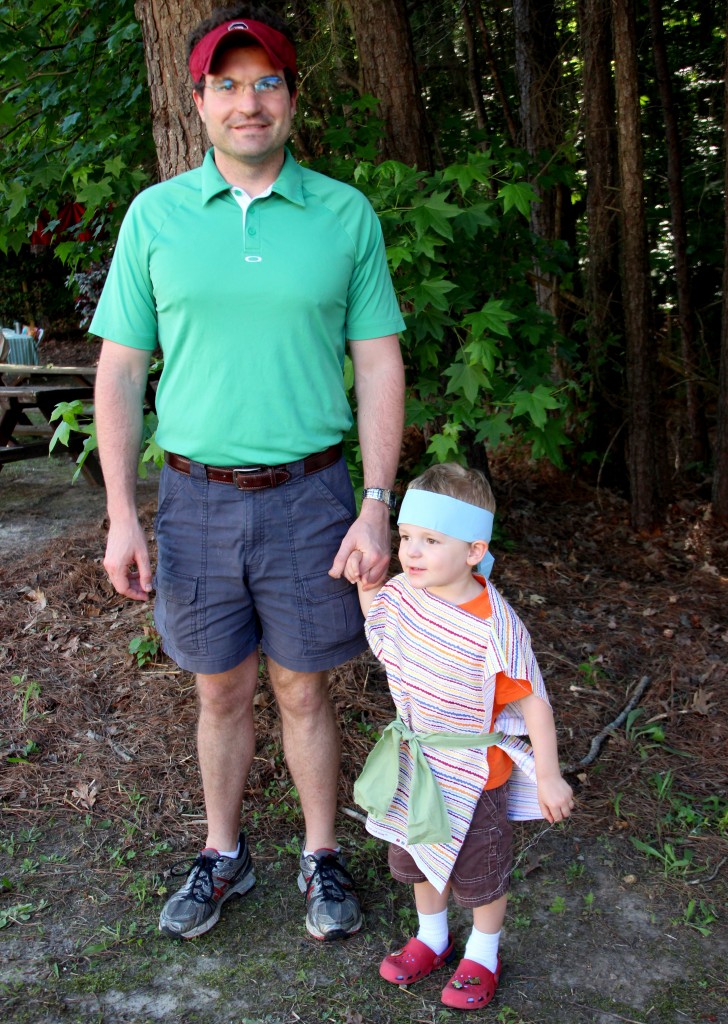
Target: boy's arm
x,y
367,596
555,796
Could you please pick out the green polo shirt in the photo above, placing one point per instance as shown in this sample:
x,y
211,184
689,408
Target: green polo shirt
x,y
252,313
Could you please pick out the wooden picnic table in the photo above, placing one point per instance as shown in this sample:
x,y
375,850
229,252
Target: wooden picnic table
x,y
24,388
27,388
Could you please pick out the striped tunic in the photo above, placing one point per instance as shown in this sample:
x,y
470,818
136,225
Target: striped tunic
x,y
441,664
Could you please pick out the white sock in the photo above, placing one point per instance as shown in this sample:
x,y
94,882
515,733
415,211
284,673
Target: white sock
x,y
482,947
433,931
232,854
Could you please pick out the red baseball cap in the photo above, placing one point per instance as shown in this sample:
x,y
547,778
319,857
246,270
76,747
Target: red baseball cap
x,y
280,50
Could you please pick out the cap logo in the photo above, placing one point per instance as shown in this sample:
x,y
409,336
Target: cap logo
x,y
237,26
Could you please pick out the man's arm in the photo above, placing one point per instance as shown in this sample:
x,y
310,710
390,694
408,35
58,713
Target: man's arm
x,y
379,383
554,792
119,403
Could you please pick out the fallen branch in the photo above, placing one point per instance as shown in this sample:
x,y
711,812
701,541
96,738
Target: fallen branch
x,y
608,730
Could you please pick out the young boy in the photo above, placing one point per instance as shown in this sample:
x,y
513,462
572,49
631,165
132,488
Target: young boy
x,y
448,773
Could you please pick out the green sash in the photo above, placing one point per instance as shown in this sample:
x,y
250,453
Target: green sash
x,y
427,820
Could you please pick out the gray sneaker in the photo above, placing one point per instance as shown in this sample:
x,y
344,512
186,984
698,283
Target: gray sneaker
x,y
332,906
211,880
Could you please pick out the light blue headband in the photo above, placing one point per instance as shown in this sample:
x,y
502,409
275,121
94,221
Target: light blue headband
x,y
451,516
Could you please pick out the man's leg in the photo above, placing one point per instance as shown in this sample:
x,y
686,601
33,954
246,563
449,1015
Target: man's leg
x,y
311,744
226,744
312,747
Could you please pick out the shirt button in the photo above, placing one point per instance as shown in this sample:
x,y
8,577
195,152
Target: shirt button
x,y
252,231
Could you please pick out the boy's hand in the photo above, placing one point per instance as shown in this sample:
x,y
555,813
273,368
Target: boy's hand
x,y
555,798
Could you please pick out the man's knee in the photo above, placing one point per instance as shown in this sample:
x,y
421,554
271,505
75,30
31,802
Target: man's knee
x,y
299,693
229,692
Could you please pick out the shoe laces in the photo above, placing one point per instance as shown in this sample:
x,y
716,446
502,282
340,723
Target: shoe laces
x,y
327,874
199,885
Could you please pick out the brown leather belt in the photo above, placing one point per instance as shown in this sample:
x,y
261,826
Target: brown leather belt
x,y
258,478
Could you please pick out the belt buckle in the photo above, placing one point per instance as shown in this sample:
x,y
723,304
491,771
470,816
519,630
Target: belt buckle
x,y
246,470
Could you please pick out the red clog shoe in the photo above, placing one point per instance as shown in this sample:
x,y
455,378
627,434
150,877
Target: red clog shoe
x,y
471,987
413,962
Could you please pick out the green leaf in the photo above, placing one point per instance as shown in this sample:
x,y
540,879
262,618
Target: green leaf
x,y
466,379
493,317
535,404
519,194
433,212
443,447
17,197
432,292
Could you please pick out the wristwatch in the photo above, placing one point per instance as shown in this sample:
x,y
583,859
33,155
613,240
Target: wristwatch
x,y
381,494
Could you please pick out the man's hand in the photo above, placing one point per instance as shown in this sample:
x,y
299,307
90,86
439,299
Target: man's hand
x,y
365,551
127,562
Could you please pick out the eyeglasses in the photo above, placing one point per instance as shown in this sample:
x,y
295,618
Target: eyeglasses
x,y
265,86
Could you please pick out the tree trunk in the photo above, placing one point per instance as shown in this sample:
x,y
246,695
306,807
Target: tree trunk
x,y
602,283
494,73
474,81
389,72
646,455
537,70
720,474
178,132
693,392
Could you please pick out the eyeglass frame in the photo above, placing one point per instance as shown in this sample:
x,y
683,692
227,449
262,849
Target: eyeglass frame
x,y
239,88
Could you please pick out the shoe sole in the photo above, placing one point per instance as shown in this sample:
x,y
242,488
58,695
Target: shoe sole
x,y
333,935
241,887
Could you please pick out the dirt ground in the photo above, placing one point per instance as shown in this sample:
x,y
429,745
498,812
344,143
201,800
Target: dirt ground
x,y
619,915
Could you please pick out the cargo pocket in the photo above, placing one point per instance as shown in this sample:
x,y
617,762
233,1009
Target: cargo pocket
x,y
331,612
176,612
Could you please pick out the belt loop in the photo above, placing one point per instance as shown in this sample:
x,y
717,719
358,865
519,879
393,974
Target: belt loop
x,y
198,471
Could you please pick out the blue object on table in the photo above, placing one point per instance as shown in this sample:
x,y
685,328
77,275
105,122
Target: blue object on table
x,y
23,348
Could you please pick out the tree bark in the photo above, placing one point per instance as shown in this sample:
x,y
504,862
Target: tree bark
x,y
178,133
389,72
720,473
474,81
602,284
537,70
693,393
646,448
494,73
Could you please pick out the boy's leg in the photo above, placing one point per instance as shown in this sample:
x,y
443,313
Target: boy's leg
x,y
432,946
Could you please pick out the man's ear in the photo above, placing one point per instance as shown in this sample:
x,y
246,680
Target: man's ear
x,y
477,551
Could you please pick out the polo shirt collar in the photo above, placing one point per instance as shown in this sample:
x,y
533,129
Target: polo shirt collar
x,y
288,184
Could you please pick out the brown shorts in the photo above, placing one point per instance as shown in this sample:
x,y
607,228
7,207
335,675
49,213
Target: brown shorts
x,y
481,873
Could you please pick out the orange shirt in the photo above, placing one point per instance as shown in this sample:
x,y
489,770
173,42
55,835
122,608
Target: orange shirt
x,y
506,690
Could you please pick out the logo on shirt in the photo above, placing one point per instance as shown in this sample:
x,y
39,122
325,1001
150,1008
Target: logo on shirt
x,y
253,259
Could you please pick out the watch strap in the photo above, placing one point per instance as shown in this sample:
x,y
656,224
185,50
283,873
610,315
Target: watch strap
x,y
381,494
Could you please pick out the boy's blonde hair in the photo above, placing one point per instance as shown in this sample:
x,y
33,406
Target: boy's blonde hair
x,y
456,482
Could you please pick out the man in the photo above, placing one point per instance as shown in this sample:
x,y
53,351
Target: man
x,y
252,273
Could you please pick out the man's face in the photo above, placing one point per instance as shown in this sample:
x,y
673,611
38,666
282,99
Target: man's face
x,y
246,126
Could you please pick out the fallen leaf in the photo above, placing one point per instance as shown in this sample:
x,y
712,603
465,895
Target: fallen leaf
x,y
85,794
36,597
702,701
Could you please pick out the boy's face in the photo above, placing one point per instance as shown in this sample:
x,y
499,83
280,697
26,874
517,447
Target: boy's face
x,y
437,562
